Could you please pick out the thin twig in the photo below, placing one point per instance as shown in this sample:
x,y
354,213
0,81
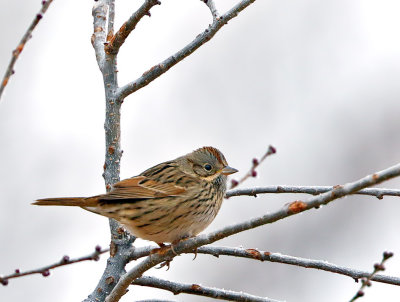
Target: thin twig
x,y
366,281
120,36
45,271
313,190
255,163
287,210
213,9
297,261
165,65
196,289
17,51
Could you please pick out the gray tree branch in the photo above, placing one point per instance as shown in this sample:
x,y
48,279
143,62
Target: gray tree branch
x,y
297,261
290,209
116,41
121,241
199,290
213,9
313,190
165,65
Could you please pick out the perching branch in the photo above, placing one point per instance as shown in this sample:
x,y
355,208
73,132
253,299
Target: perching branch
x,y
313,190
297,261
45,271
366,281
290,209
116,41
165,65
17,51
199,290
255,254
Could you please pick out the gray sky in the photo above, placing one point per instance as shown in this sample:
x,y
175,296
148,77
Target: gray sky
x,y
317,79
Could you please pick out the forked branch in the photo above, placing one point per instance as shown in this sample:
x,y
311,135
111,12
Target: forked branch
x,y
165,65
116,41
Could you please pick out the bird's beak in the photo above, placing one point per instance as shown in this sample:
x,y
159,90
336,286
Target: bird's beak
x,y
228,170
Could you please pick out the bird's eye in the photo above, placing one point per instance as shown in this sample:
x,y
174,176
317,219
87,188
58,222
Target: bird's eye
x,y
207,167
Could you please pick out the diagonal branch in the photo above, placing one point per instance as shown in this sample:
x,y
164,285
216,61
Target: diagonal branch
x,y
45,271
290,209
366,281
120,36
165,65
199,290
313,190
17,51
297,261
255,163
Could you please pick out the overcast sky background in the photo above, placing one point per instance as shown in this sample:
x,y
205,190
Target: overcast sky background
x,y
319,80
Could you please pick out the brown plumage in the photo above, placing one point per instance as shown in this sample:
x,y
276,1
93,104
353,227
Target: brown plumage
x,y
170,201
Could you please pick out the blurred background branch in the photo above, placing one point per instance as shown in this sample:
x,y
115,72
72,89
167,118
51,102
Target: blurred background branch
x,y
17,51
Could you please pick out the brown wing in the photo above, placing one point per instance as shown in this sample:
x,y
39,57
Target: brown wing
x,y
139,188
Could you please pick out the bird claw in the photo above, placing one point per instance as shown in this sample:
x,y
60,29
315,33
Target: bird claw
x,y
166,263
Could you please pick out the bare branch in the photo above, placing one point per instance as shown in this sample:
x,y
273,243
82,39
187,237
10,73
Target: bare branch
x,y
297,261
255,163
196,289
45,271
121,241
111,17
120,36
165,65
99,31
255,254
290,209
366,281
313,190
213,9
17,51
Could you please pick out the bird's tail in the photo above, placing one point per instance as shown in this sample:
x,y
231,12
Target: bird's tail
x,y
67,201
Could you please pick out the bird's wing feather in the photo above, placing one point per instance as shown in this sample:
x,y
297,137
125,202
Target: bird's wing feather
x,y
141,187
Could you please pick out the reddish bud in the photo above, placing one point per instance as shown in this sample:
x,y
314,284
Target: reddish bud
x,y
255,161
360,293
46,273
379,267
17,271
4,281
253,173
98,248
387,255
39,16
65,259
234,183
271,150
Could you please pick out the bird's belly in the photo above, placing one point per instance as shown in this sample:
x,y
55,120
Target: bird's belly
x,y
172,227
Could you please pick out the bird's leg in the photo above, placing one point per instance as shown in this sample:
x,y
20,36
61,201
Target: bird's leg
x,y
163,248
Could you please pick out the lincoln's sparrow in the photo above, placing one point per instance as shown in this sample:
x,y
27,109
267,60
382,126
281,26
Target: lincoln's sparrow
x,y
168,202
